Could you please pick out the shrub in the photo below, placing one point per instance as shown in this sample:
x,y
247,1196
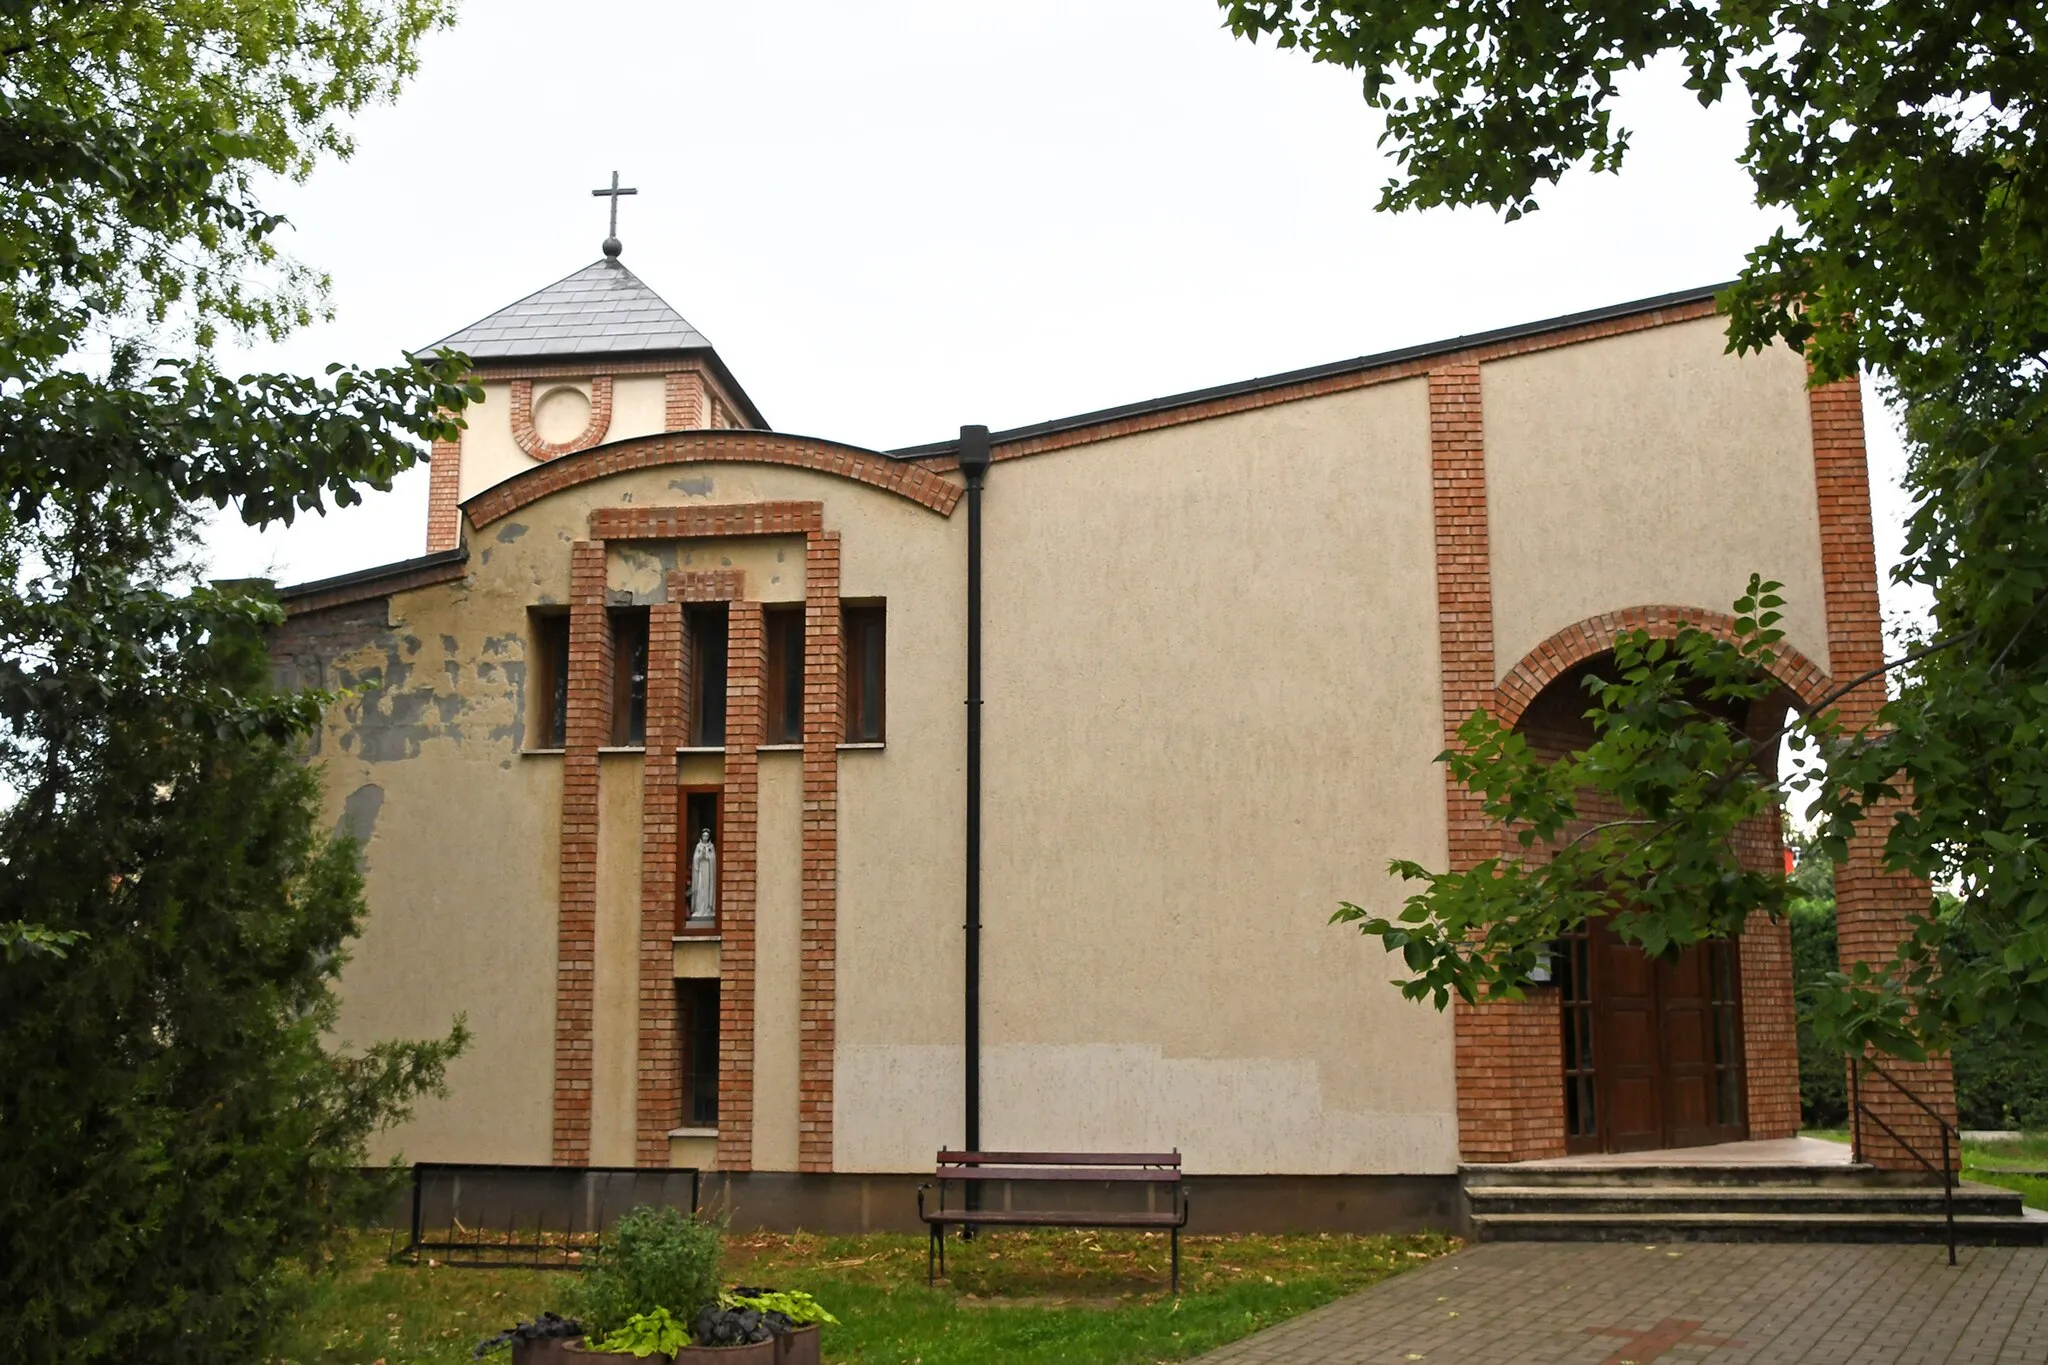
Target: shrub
x,y
654,1258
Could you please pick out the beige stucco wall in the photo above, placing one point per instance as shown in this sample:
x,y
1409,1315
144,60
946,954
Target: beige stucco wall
x,y
490,455
461,911
778,955
615,987
1211,709
1648,468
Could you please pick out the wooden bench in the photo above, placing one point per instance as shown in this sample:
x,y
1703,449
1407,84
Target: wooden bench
x,y
973,1171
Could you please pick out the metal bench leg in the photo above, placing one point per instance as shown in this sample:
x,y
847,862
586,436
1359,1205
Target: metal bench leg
x,y
1176,1261
942,1249
930,1242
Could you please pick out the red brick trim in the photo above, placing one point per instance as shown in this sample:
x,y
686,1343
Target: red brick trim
x,y
745,722
658,1088
823,728
444,496
530,440
590,677
707,585
708,519
1871,902
1595,635
1502,1046
903,478
1202,411
683,400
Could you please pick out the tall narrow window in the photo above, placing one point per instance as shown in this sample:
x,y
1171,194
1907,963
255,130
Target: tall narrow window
x,y
707,627
785,625
629,675
697,1022
548,677
865,626
1571,966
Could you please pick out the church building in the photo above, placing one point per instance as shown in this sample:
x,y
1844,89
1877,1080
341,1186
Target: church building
x,y
667,777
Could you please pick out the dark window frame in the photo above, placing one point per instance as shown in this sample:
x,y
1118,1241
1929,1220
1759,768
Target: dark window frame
x,y
783,627
547,675
629,627
708,626
697,1020
864,656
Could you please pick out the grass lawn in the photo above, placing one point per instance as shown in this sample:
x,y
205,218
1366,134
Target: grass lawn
x,y
1051,1295
2020,1166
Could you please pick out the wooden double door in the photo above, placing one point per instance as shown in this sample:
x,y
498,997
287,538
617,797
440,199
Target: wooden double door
x,y
1652,1046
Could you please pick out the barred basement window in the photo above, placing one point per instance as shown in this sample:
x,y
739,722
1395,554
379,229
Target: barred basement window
x,y
629,675
865,631
785,626
548,677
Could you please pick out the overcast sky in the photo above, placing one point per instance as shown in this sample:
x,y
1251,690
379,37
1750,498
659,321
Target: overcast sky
x,y
891,219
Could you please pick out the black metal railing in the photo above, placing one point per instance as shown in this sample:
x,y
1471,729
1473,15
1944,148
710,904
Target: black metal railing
x,y
534,1217
1858,1111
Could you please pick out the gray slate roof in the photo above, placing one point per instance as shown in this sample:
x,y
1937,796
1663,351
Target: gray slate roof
x,y
602,309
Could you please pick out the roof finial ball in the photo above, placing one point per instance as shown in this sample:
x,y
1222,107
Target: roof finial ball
x,y
612,245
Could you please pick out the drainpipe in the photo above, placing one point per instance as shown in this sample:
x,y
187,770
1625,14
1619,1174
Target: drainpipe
x,y
974,467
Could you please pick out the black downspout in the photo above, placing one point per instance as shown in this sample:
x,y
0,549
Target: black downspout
x,y
974,468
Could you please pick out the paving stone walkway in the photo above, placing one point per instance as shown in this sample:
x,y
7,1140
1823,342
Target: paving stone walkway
x,y
1693,1303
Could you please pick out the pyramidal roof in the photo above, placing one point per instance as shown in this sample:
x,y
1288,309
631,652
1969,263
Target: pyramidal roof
x,y
602,309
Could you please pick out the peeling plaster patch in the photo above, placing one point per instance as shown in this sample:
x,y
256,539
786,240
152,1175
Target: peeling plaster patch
x,y
504,644
454,671
515,733
725,561
448,644
511,532
486,671
780,553
487,554
359,817
412,645
696,485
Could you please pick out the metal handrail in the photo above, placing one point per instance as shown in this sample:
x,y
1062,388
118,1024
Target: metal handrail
x,y
1859,1110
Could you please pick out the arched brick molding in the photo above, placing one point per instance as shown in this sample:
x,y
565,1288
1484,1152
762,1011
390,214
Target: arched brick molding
x,y
1595,635
529,439
1769,1027
909,481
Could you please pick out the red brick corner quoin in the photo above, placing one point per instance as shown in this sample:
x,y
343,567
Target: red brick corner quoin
x,y
909,481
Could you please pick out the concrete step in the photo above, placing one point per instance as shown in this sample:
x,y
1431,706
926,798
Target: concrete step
x,y
1975,1200
1652,1228
1843,1176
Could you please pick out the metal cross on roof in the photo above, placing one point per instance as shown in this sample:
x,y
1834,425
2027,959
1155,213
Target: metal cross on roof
x,y
612,246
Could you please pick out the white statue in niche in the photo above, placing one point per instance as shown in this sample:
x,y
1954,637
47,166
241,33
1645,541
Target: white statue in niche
x,y
703,881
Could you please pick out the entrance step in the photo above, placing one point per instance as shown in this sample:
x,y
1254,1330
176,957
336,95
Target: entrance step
x,y
1736,1204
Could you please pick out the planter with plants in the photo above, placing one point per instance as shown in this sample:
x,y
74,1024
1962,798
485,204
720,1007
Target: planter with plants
x,y
797,1342
543,1341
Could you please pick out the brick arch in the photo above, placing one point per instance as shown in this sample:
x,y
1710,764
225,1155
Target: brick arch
x,y
1595,635
909,481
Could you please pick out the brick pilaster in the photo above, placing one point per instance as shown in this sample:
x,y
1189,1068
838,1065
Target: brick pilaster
x,y
682,394
1871,903
1509,1060
658,1088
824,727
444,496
745,720
590,685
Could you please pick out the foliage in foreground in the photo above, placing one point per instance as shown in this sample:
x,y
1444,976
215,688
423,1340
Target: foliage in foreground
x,y
1905,145
174,1132
654,1258
1035,1298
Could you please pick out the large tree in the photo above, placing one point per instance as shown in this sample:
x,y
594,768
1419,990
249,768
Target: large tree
x,y
176,1122
1904,141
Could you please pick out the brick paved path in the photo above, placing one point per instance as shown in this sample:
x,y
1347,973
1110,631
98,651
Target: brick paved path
x,y
1693,1303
